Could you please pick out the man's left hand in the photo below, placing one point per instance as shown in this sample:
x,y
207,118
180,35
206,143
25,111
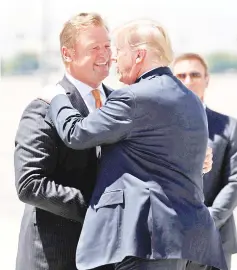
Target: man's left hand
x,y
207,166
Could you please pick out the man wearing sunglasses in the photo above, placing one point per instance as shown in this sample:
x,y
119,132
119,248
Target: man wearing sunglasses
x,y
220,184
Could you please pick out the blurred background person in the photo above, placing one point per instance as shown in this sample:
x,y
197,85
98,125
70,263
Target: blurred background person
x,y
220,184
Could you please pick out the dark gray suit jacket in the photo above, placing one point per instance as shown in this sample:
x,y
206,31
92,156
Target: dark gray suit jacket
x,y
220,184
148,200
55,183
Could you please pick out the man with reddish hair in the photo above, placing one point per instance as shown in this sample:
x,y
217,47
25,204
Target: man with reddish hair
x,y
53,181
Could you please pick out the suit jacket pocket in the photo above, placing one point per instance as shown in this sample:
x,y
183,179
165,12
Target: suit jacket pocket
x,y
110,198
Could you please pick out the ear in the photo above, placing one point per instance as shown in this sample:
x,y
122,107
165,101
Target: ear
x,y
207,80
141,54
66,53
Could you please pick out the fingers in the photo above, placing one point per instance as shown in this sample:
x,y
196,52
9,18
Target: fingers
x,y
207,166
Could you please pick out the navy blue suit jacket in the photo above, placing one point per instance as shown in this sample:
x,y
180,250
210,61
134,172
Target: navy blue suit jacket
x,y
220,184
148,201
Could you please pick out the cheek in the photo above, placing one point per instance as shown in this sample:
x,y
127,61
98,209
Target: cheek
x,y
125,65
76,55
199,86
191,84
84,57
119,64
77,58
110,53
206,83
87,62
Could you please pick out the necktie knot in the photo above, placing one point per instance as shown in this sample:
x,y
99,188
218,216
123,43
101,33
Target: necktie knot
x,y
96,95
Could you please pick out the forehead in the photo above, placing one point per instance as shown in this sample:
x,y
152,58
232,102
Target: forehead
x,y
93,34
188,65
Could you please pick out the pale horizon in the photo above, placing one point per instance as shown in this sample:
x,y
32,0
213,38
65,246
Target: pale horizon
x,y
209,26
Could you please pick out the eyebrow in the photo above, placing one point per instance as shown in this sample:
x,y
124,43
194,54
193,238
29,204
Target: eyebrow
x,y
192,71
96,42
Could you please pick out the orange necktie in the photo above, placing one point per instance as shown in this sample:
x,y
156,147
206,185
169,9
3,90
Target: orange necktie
x,y
96,95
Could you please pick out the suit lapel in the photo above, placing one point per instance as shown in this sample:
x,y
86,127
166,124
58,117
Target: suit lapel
x,y
107,90
208,111
74,96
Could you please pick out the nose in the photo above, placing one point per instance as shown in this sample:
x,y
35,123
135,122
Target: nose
x,y
187,79
104,52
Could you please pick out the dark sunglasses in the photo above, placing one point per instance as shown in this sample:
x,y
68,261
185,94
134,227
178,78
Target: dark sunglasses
x,y
192,75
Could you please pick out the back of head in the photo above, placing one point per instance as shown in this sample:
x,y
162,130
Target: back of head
x,y
150,35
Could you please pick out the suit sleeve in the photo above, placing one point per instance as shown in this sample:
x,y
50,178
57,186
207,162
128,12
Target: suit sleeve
x,y
35,160
109,124
226,201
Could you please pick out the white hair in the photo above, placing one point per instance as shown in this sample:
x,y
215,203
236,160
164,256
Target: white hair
x,y
150,35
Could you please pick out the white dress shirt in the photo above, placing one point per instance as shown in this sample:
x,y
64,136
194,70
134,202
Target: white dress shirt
x,y
85,91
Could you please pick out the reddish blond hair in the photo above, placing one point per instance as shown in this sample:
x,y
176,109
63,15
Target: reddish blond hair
x,y
77,23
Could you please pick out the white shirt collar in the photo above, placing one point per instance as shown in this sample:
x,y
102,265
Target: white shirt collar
x,y
83,88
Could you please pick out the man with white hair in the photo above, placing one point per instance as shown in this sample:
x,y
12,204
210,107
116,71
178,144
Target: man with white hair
x,y
147,210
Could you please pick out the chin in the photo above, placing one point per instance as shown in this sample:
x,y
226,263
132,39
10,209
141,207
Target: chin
x,y
104,76
121,79
126,80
